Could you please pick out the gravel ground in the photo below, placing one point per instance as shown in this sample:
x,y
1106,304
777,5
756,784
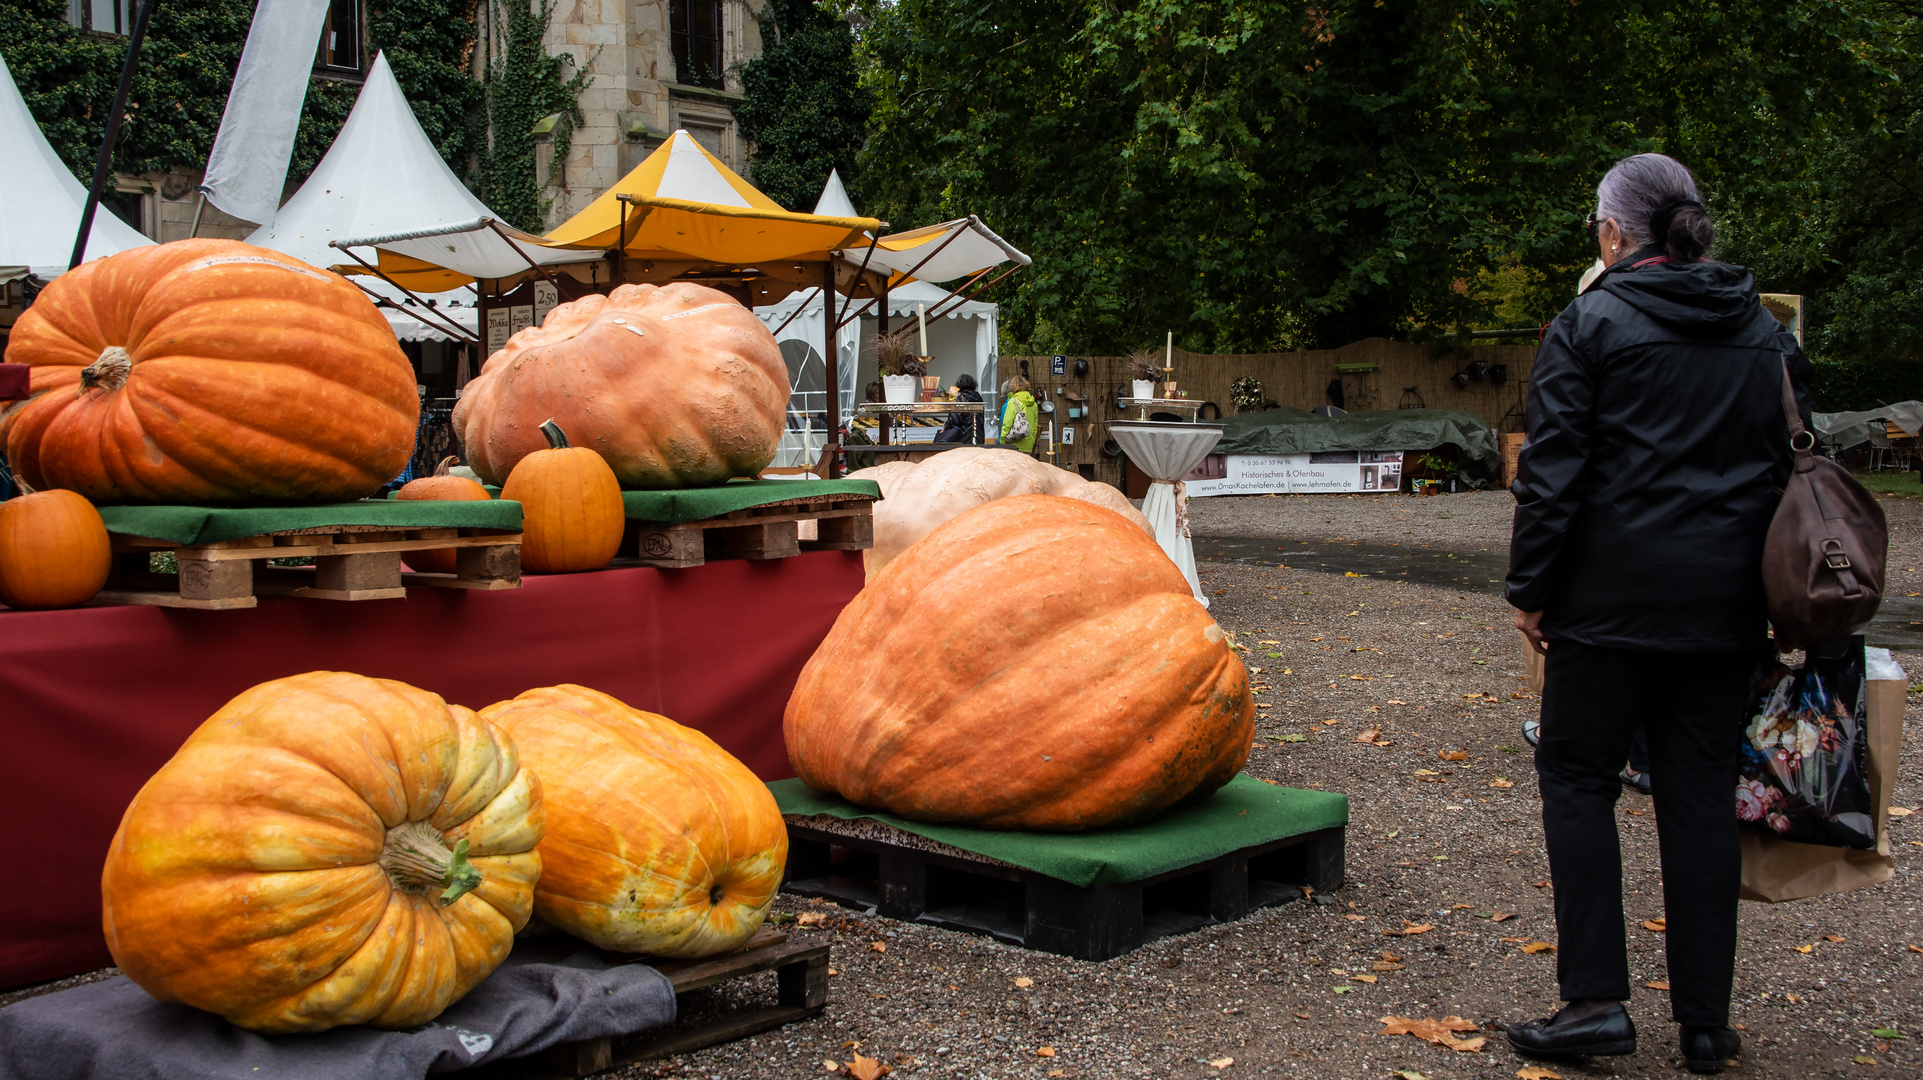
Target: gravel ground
x,y
1445,844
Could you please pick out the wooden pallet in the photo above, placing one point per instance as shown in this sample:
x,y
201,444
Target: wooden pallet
x,y
771,531
801,991
916,880
351,562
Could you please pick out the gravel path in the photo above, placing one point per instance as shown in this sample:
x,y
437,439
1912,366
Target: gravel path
x,y
1445,844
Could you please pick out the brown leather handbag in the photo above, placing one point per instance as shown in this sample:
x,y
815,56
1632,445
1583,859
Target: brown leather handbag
x,y
1823,559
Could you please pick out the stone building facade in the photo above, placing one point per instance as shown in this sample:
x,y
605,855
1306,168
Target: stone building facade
x,y
655,66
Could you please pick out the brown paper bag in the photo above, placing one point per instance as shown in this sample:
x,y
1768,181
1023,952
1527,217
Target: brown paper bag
x,y
1775,870
1531,664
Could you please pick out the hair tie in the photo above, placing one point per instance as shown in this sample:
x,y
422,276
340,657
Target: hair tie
x,y
1665,215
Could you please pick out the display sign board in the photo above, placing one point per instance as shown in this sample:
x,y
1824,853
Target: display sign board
x,y
1268,474
546,296
520,317
497,329
1058,366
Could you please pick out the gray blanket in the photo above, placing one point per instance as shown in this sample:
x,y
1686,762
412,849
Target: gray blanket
x,y
113,1030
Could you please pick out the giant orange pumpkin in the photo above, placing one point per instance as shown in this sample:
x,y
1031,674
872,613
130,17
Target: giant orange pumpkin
x,y
658,840
676,386
209,372
54,550
326,849
1035,663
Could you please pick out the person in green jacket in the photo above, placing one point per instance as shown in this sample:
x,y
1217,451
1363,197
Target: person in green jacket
x,y
1021,418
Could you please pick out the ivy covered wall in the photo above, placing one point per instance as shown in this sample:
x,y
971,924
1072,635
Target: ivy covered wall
x,y
186,66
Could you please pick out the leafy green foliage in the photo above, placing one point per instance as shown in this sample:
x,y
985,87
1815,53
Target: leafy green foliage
x,y
1260,175
186,68
804,110
523,86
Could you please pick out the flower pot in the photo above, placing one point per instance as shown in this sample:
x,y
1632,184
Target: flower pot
x,y
898,389
1144,389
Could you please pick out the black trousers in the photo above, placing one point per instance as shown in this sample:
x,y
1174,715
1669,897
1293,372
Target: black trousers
x,y
1692,708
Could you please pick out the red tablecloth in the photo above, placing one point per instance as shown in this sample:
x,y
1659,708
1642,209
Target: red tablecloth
x,y
93,700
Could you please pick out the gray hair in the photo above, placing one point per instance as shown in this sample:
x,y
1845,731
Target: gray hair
x,y
1637,187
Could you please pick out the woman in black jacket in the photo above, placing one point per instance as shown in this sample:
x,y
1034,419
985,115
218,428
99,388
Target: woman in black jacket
x,y
1656,446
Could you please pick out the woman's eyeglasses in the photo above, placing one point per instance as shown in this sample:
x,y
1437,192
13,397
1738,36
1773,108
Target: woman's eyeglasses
x,y
1592,224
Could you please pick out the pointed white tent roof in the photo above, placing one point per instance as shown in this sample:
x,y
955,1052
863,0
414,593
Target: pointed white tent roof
x,y
936,253
40,213
834,201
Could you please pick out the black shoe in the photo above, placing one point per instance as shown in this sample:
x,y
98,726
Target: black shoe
x,y
1708,1049
1532,732
1607,1033
1638,781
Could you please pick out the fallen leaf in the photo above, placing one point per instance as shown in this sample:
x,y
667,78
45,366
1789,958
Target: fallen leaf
x,y
831,1064
1221,592
1391,957
1793,999
1541,884
1056,1072
1500,782
1044,1051
1516,940
878,946
1804,948
1408,1074
1901,811
1340,989
1330,722
1887,1033
867,1068
1268,643
1863,1059
1301,1016
1832,937
1502,916
1440,1032
1221,1063
1261,704
1385,965
1427,772
1362,978
1536,1072
1656,926
1393,701
1356,918
1914,948
1462,907
1368,735
811,918
1454,755
1657,985
1293,736
1416,928
832,971
1024,982
1538,947
1385,742
851,1044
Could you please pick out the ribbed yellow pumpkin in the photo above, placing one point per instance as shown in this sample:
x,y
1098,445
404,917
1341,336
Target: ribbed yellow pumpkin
x,y
326,849
658,840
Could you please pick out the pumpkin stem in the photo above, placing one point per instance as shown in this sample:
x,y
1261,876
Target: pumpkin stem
x,y
107,372
557,438
417,861
447,463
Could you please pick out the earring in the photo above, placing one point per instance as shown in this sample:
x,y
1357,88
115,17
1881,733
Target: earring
x,y
1614,248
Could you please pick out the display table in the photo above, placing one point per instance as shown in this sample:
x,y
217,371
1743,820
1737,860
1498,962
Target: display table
x,y
1168,451
93,700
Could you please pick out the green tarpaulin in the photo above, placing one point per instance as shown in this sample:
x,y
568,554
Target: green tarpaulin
x,y
1298,431
209,524
695,504
1244,813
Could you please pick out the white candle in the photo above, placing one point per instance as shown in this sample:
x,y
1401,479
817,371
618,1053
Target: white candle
x,y
1168,364
921,312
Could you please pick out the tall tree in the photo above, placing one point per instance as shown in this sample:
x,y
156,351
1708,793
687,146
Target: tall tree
x,y
805,109
1257,174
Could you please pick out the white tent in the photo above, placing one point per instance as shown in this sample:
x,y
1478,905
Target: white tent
x,y
40,201
382,176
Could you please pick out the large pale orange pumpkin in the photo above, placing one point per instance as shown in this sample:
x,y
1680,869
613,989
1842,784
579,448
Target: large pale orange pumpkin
x,y
658,840
572,516
1035,663
440,487
209,372
326,849
916,497
676,386
53,550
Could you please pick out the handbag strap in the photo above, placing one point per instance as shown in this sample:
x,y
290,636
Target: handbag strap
x,y
1797,432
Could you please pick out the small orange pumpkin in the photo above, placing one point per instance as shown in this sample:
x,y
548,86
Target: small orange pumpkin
x,y
53,550
571,511
658,840
441,487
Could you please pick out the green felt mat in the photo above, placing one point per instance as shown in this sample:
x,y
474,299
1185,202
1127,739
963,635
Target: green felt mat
x,y
694,504
1242,814
211,524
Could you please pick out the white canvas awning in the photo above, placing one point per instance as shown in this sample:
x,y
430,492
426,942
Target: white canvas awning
x,y
479,247
944,252
412,324
40,201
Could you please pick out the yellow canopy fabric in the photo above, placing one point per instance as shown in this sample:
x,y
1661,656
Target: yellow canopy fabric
x,y
683,203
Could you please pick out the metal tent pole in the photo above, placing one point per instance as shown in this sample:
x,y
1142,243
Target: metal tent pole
x,y
105,163
831,358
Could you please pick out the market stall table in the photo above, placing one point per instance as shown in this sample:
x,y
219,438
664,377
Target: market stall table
x,y
1145,406
96,699
1167,451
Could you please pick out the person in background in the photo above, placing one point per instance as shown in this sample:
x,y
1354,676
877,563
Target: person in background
x,y
1021,417
962,427
1656,444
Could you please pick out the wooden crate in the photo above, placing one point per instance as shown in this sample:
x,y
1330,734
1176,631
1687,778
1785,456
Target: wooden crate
x,y
351,562
771,531
801,991
907,877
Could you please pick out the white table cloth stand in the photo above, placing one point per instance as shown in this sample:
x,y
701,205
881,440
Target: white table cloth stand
x,y
1167,452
